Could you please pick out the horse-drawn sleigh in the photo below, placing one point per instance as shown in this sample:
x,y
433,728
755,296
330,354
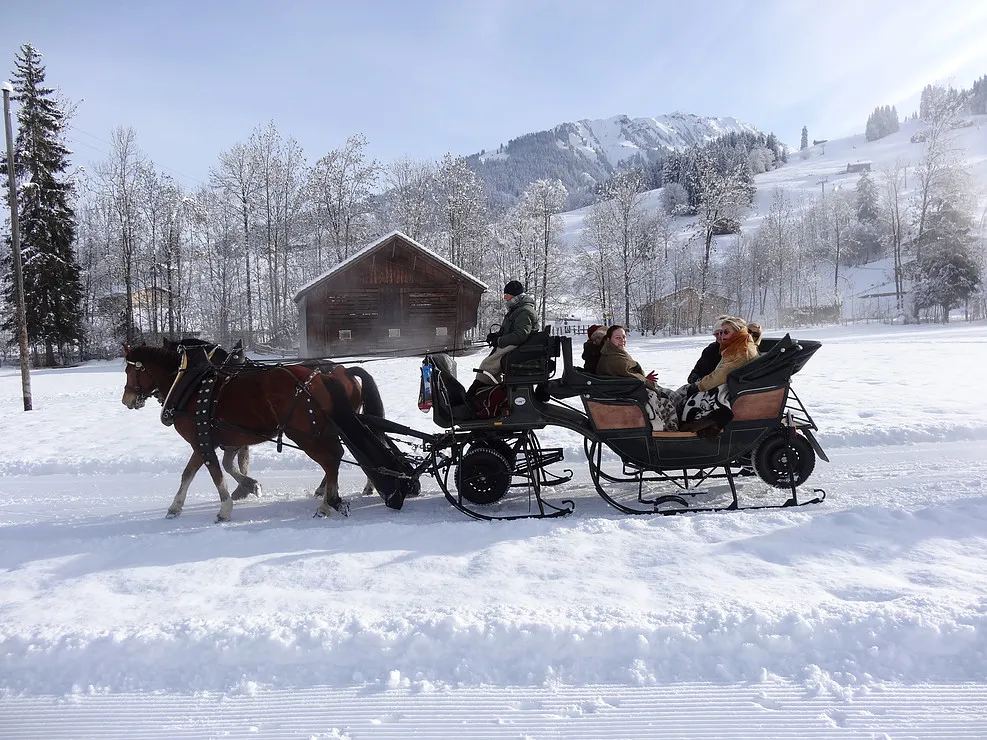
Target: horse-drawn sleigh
x,y
496,467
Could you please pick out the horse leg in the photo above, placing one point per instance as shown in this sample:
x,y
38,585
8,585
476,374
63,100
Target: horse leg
x,y
245,485
225,502
369,490
327,451
243,459
191,468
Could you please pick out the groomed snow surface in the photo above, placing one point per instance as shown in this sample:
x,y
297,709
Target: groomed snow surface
x,y
862,617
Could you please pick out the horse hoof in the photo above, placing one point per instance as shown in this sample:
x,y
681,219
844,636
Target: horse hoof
x,y
343,508
239,494
172,514
220,519
320,514
257,490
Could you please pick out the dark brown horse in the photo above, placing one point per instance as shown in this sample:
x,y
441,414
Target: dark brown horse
x,y
249,406
245,485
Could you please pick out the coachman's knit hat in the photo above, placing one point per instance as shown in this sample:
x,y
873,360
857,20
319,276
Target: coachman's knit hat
x,y
593,329
514,288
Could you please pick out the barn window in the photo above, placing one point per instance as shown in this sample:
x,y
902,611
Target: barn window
x,y
345,333
394,333
441,331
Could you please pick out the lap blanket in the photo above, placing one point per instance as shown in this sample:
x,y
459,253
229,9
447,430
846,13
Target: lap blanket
x,y
704,403
661,408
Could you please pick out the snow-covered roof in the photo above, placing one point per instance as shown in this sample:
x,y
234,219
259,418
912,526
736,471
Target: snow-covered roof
x,y
353,258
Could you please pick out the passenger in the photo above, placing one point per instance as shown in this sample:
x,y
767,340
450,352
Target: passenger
x,y
519,323
710,357
707,404
591,348
614,360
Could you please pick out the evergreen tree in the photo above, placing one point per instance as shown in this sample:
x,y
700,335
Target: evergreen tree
x,y
867,241
880,123
52,284
948,274
805,138
867,199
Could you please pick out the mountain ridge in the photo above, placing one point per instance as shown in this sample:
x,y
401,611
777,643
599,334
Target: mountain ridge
x,y
584,153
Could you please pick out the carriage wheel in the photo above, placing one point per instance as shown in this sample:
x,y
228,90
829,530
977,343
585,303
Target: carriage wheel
x,y
771,459
483,475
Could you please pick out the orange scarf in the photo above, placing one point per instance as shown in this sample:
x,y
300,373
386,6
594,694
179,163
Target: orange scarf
x,y
736,345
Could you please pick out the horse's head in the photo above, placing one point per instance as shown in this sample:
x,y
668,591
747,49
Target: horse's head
x,y
145,368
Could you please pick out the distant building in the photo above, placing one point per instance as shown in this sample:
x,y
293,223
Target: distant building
x,y
392,296
678,311
858,167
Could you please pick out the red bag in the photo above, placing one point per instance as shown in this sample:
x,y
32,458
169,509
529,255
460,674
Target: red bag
x,y
490,401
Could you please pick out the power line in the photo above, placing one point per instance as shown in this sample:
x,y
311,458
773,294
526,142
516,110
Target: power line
x,y
110,144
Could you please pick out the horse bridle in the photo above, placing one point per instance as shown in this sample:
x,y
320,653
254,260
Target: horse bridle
x,y
142,395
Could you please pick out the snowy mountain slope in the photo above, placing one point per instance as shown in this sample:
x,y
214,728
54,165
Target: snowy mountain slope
x,y
610,141
824,168
586,152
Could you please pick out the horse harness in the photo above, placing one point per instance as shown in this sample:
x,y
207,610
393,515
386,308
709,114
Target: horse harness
x,y
197,377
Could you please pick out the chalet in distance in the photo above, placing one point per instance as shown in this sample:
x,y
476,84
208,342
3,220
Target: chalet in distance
x,y
678,311
392,296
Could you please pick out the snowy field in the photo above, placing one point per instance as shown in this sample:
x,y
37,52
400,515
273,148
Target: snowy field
x,y
862,617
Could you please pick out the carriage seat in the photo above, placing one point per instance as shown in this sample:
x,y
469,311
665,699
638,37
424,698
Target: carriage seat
x,y
449,402
775,367
578,382
532,361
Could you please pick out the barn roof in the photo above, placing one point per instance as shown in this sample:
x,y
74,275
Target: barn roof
x,y
371,248
691,291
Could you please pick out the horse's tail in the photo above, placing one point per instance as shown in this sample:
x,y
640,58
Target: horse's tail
x,y
379,460
373,404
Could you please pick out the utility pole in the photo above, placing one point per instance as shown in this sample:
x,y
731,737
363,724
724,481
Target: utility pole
x,y
15,240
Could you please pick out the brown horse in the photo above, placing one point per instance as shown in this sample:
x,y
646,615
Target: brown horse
x,y
251,405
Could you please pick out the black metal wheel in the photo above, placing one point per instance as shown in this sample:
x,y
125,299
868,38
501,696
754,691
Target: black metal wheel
x,y
484,474
771,459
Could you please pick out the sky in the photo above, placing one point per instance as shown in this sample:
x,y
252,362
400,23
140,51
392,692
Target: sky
x,y
420,79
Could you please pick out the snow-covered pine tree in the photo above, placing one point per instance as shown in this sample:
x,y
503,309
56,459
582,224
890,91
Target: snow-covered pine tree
x,y
867,232
52,285
805,138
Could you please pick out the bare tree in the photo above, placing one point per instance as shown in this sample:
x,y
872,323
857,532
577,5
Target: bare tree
x,y
896,218
723,199
341,185
412,198
237,178
941,112
119,176
543,200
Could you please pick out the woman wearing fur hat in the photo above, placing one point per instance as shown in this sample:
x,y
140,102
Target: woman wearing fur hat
x,y
519,323
597,333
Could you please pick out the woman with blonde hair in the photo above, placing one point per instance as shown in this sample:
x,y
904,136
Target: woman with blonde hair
x,y
707,405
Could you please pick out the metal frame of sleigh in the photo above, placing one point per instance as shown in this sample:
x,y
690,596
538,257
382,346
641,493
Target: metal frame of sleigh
x,y
496,468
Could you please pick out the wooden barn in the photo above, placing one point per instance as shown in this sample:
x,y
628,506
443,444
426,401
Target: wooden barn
x,y
677,312
392,296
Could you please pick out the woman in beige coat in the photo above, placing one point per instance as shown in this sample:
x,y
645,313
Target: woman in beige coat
x,y
707,404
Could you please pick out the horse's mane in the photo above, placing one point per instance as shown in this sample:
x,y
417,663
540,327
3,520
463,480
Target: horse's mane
x,y
169,359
